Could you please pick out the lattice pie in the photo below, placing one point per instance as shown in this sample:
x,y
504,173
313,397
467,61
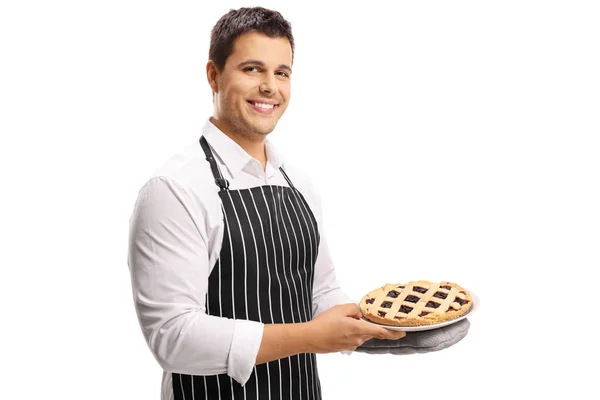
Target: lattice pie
x,y
415,303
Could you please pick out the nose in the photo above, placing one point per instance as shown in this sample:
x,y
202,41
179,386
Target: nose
x,y
269,85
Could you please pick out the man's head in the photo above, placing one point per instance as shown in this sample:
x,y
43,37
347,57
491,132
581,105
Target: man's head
x,y
249,70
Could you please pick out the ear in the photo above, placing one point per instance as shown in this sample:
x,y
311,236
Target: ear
x,y
211,75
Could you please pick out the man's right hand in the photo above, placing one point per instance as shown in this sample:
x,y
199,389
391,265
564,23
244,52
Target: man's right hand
x,y
341,328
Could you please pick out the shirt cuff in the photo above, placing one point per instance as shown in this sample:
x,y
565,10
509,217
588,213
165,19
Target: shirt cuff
x,y
247,337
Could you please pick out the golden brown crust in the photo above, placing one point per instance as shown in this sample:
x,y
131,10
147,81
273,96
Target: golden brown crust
x,y
407,306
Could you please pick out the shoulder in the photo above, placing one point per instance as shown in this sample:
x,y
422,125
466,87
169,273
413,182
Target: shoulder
x,y
188,167
185,178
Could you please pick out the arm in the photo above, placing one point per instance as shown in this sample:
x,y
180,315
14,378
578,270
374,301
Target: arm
x,y
284,340
169,263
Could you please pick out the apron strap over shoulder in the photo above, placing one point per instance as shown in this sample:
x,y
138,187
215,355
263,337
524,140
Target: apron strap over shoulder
x,y
287,178
219,180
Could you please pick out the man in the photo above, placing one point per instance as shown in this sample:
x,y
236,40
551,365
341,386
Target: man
x,y
233,283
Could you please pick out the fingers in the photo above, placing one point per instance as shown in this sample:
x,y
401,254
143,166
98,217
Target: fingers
x,y
391,335
367,330
379,332
397,335
370,330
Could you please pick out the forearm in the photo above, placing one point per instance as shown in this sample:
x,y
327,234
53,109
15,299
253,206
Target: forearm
x,y
284,340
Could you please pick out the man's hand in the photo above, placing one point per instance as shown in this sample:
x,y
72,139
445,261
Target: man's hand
x,y
341,328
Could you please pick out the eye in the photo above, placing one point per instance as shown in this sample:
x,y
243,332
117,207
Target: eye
x,y
251,69
283,74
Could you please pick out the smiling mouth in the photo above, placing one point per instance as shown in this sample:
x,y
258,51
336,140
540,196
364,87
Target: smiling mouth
x,y
264,108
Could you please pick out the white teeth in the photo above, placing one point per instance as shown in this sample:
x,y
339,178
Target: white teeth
x,y
263,105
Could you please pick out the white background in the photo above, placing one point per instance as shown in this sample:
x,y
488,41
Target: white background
x,y
451,140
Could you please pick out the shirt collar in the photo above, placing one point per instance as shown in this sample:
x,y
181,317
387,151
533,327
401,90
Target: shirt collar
x,y
231,154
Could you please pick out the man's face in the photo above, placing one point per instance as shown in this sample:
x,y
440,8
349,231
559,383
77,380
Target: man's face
x,y
253,90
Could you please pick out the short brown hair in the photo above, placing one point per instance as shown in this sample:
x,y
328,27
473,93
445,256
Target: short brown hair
x,y
248,19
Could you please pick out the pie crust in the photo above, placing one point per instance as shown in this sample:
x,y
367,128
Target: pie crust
x,y
415,303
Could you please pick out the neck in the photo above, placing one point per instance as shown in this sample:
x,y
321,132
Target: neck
x,y
252,144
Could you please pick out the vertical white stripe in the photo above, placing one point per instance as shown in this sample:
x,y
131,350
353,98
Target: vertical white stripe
x,y
256,381
262,231
257,271
232,291
193,394
232,263
280,197
245,259
219,265
221,302
216,377
278,280
220,288
204,377
181,386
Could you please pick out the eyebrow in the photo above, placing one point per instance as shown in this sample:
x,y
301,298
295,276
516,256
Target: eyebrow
x,y
262,64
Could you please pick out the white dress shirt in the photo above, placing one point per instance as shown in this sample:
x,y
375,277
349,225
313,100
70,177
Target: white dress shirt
x,y
175,236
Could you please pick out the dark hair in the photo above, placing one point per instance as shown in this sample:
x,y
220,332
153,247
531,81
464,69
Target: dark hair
x,y
237,22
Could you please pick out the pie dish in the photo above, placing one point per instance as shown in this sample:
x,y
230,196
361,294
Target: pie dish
x,y
416,303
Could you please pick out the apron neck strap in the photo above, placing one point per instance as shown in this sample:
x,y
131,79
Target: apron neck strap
x,y
219,180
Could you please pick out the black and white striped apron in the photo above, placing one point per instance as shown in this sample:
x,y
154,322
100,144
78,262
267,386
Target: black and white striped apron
x,y
264,273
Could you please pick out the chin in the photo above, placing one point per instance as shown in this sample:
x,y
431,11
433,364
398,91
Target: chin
x,y
264,131
264,128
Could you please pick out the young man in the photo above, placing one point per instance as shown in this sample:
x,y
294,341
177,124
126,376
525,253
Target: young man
x,y
233,283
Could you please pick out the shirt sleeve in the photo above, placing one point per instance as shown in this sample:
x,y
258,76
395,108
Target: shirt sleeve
x,y
327,291
168,259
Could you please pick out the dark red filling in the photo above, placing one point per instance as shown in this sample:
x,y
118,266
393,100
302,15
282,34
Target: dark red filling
x,y
386,304
393,294
446,287
461,301
440,295
412,299
424,313
405,309
381,313
370,301
419,289
432,304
